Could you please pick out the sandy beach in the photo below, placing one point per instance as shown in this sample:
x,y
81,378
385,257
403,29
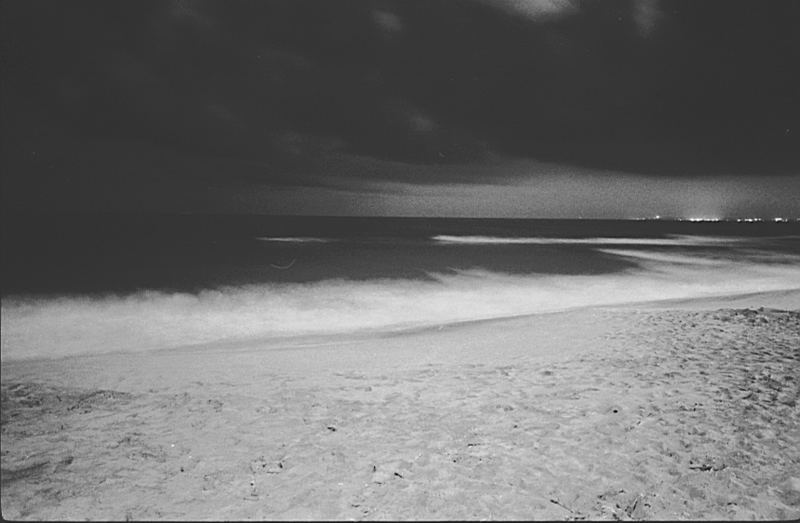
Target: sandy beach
x,y
671,410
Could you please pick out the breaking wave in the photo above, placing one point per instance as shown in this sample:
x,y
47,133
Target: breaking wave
x,y
66,325
673,241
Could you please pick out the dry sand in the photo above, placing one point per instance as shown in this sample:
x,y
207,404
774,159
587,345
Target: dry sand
x,y
684,410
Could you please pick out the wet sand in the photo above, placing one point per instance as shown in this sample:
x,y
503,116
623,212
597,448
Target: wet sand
x,y
684,410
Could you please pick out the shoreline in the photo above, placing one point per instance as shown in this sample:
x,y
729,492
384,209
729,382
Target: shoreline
x,y
784,299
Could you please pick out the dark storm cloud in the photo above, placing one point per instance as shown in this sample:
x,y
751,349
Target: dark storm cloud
x,y
287,87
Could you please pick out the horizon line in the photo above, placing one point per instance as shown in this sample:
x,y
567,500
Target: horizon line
x,y
692,219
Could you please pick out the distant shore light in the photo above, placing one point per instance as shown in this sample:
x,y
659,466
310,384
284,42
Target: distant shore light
x,y
701,219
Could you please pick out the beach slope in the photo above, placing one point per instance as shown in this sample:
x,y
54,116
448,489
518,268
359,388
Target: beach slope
x,y
685,410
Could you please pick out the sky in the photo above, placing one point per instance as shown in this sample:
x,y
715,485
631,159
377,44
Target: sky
x,y
484,108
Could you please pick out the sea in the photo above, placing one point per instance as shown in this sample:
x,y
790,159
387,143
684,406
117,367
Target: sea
x,y
93,283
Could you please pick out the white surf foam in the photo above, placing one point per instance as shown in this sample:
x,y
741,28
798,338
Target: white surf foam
x,y
290,239
676,240
63,326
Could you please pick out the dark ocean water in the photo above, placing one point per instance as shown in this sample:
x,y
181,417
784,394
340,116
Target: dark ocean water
x,y
122,254
75,284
